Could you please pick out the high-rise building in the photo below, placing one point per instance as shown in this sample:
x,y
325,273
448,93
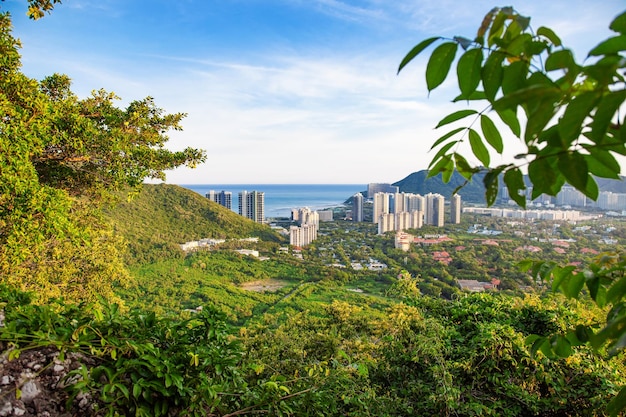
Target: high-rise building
x,y
224,198
434,209
399,203
304,215
381,206
402,221
455,209
571,197
374,188
357,207
417,219
252,205
386,223
302,235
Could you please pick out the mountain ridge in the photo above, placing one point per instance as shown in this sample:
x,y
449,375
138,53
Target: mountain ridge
x,y
474,191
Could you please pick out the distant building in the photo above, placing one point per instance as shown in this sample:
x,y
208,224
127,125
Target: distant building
x,y
381,206
434,213
357,207
252,205
455,209
302,235
223,198
325,215
386,223
569,196
304,215
374,188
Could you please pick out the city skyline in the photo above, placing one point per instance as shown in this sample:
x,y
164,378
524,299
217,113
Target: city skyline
x,y
266,82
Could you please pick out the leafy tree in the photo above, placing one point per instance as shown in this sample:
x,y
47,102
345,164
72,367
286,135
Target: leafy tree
x,y
59,156
38,8
566,115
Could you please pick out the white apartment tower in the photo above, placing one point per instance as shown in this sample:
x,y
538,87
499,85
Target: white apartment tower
x,y
252,205
455,209
357,207
399,203
381,206
434,210
302,235
386,223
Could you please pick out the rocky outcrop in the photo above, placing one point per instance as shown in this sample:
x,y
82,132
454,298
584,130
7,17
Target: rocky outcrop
x,y
33,384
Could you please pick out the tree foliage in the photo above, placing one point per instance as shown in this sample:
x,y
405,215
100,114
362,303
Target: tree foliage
x,y
38,8
567,116
59,155
565,113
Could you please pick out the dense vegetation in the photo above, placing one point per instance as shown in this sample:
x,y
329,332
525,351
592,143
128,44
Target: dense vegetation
x,y
159,332
184,214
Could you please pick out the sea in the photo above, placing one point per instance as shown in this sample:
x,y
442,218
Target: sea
x,y
281,198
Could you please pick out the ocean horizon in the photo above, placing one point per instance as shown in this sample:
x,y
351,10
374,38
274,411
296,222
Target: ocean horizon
x,y
280,199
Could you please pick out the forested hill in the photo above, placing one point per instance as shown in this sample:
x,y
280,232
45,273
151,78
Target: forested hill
x,y
163,216
474,191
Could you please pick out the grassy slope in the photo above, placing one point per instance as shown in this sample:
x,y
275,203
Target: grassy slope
x,y
163,216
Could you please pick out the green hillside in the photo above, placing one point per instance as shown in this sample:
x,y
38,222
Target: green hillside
x,y
163,216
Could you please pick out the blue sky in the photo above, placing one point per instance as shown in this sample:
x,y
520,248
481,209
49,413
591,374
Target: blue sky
x,y
281,91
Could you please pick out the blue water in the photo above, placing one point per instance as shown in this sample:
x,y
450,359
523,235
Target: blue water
x,y
281,198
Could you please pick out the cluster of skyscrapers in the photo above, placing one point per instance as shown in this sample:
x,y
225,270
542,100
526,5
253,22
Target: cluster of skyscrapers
x,y
401,211
251,203
569,196
308,224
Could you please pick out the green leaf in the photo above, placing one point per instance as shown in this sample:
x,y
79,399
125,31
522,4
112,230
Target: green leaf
x,y
446,136
468,70
509,117
602,163
612,45
518,45
574,168
478,147
514,77
570,125
526,95
497,27
416,50
617,290
561,346
543,177
550,35
560,276
607,108
491,186
539,117
137,389
439,64
514,180
572,288
617,403
492,134
445,164
457,115
463,167
473,96
592,190
562,59
443,150
619,24
492,73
